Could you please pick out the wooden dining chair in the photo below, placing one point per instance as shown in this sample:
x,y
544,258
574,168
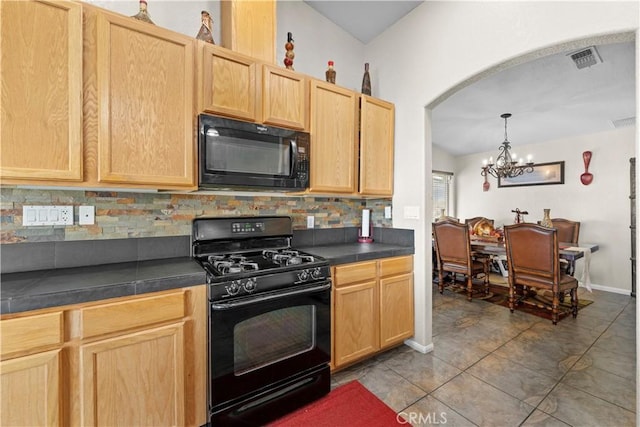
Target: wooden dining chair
x,y
453,253
568,231
534,262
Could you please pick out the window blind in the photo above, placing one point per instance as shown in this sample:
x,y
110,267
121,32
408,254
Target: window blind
x,y
441,191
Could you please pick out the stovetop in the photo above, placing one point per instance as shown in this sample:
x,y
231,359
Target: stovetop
x,y
244,256
267,261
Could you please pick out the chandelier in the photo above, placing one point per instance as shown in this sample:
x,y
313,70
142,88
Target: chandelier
x,y
506,165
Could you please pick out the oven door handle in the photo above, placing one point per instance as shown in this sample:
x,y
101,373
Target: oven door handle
x,y
262,298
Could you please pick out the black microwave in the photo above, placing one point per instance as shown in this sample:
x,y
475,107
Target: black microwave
x,y
244,155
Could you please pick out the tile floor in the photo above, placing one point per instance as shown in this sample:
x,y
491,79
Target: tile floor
x,y
493,368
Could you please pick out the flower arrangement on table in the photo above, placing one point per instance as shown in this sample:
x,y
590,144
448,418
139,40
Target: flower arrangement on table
x,y
483,230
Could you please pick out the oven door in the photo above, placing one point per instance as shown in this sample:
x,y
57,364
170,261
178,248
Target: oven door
x,y
258,341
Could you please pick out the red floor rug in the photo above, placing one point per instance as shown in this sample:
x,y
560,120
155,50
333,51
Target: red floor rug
x,y
350,405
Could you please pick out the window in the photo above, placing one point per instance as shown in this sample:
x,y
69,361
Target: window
x,y
441,187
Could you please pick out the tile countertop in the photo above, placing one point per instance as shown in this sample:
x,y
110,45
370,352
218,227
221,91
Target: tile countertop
x,y
31,290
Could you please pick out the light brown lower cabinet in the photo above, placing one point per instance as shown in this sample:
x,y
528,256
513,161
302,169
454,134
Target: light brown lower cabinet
x,y
129,361
372,308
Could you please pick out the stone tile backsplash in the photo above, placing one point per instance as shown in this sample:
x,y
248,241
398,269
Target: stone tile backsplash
x,y
124,214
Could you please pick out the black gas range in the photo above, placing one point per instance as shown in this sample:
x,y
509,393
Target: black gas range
x,y
269,319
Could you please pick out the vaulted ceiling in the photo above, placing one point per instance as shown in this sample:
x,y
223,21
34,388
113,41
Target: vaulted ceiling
x,y
549,98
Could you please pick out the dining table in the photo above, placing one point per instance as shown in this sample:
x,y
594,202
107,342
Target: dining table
x,y
567,251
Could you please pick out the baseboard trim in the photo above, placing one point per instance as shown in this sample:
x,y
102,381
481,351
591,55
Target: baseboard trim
x,y
610,289
419,347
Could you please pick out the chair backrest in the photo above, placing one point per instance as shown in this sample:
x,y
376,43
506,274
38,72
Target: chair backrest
x,y
447,219
471,222
452,243
568,231
532,255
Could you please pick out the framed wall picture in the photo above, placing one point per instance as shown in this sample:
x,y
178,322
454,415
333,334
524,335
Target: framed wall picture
x,y
543,174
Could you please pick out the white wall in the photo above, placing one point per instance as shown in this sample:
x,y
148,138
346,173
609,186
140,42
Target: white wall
x,y
180,16
602,207
317,41
440,45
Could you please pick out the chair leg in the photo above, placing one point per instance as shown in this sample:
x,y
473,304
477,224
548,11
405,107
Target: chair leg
x,y
574,302
512,296
554,307
469,287
440,281
486,278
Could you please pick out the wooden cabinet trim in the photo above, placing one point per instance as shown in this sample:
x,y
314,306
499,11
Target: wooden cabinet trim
x,y
377,133
396,265
282,105
235,98
105,353
356,272
105,25
396,324
356,332
40,401
26,126
31,333
128,315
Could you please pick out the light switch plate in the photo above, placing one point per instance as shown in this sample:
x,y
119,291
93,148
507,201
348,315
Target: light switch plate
x,y
86,215
387,212
412,212
47,215
311,221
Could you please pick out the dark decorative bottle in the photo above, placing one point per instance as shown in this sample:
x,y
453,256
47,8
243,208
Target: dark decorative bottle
x,y
205,29
143,15
330,73
366,80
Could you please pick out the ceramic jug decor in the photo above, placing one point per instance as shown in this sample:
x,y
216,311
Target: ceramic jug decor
x,y
546,219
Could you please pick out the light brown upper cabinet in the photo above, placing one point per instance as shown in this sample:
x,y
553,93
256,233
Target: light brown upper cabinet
x,y
139,86
92,98
227,82
41,104
285,98
352,145
334,134
377,127
249,27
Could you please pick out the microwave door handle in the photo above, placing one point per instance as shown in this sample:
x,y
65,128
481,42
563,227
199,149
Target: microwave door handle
x,y
294,157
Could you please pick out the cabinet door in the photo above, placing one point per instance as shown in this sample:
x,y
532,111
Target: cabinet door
x,y
145,103
31,390
134,379
334,133
41,104
376,146
396,309
285,98
356,322
228,83
249,27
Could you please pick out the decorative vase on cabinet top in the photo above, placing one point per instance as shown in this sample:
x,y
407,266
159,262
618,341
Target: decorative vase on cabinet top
x,y
546,219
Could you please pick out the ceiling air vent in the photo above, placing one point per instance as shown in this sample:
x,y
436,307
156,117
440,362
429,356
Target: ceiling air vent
x,y
586,57
620,123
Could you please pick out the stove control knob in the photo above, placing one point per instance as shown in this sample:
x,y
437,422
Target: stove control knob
x,y
233,288
316,273
250,285
303,276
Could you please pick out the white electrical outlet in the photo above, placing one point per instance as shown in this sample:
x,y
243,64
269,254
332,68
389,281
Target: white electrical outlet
x,y
387,212
47,215
86,215
311,221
